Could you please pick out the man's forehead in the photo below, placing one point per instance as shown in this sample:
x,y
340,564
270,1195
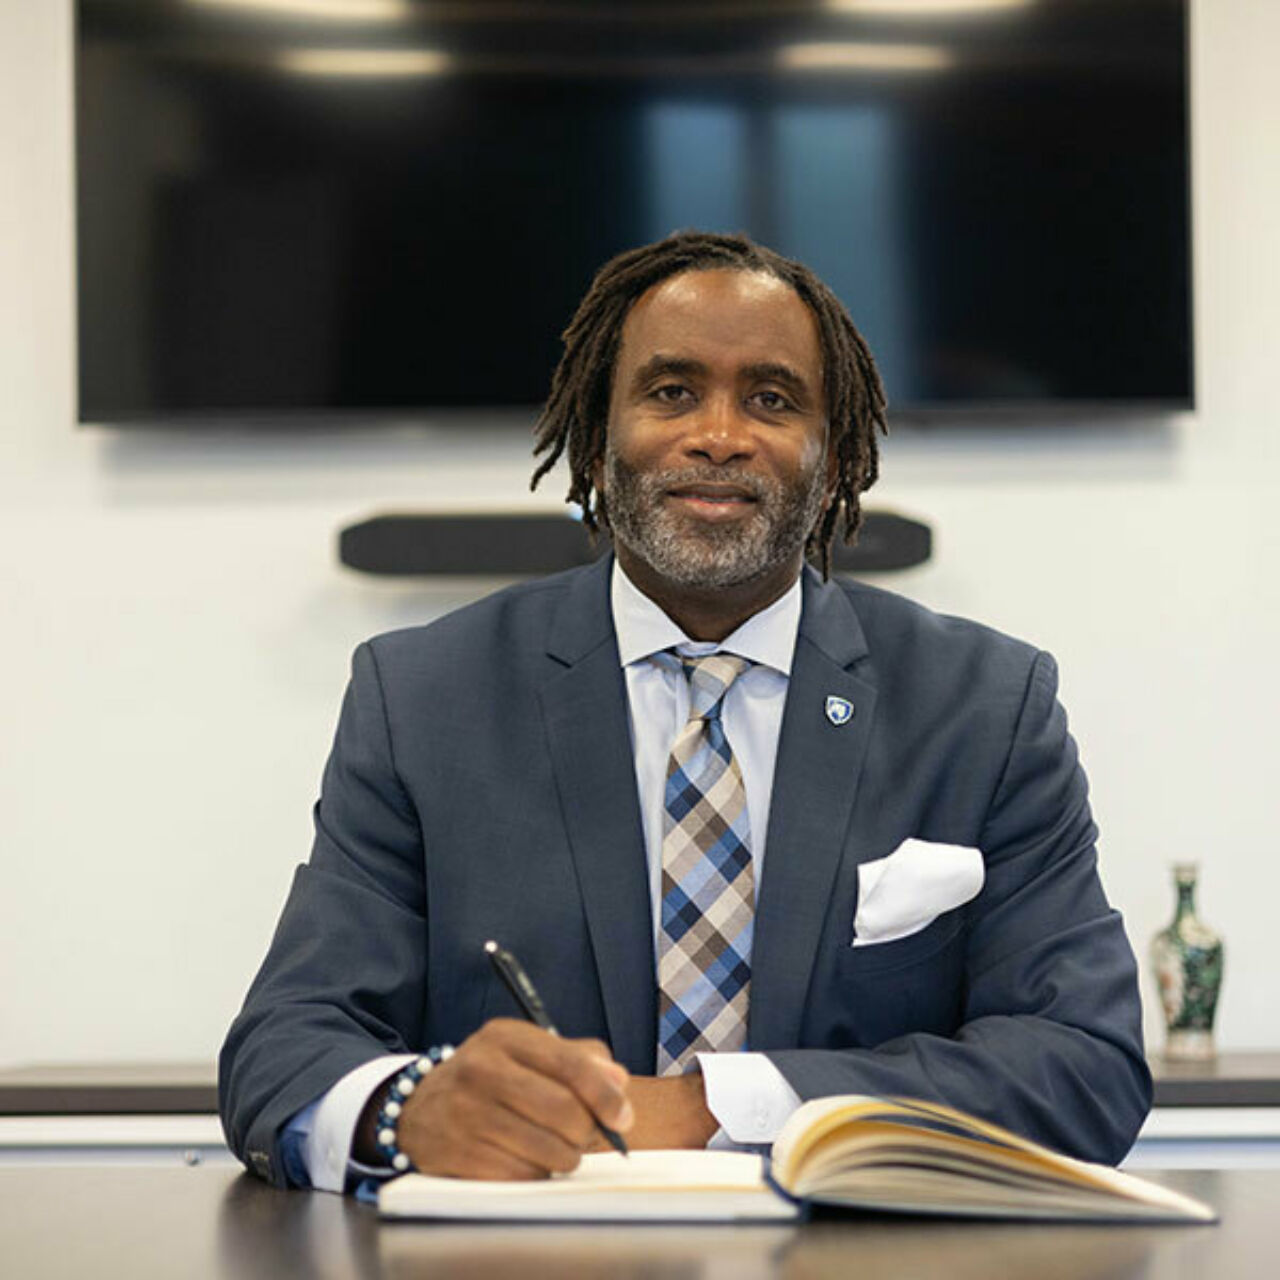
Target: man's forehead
x,y
751,284
726,311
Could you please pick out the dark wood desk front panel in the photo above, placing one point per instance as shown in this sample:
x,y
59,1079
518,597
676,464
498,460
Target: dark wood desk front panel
x,y
209,1224
1230,1080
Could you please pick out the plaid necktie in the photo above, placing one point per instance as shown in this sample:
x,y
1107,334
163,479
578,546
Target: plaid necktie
x,y
708,886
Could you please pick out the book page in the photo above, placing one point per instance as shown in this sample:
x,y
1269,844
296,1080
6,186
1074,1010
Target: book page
x,y
908,1154
657,1185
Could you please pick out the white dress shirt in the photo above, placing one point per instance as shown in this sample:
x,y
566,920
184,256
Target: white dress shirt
x,y
746,1093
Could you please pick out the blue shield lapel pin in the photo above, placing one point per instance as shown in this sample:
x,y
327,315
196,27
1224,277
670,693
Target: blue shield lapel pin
x,y
839,710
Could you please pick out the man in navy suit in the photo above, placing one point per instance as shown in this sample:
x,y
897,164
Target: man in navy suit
x,y
928,919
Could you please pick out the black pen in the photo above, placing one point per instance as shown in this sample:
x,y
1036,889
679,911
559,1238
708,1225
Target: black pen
x,y
525,994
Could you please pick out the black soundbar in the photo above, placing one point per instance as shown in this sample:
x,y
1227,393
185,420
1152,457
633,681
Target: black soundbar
x,y
514,546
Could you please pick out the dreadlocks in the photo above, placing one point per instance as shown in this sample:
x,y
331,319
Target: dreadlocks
x,y
577,410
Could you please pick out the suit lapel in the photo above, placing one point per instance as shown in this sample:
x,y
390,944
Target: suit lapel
x,y
815,782
584,707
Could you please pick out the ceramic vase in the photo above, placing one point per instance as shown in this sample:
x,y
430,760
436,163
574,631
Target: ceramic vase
x,y
1187,958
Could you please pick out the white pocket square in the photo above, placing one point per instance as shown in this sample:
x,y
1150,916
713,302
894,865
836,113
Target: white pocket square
x,y
903,893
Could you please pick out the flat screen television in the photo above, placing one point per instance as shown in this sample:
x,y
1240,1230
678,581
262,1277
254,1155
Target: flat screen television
x,y
291,211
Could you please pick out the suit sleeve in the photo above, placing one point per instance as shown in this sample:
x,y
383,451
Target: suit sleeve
x,y
1051,1041
345,972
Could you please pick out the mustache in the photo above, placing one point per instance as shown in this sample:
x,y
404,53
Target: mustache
x,y
754,486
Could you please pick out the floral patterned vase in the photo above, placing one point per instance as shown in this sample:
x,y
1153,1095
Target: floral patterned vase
x,y
1187,957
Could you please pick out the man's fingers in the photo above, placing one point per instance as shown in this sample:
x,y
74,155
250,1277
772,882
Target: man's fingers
x,y
585,1068
527,1140
456,1131
601,1083
515,1101
540,1100
598,1049
482,1159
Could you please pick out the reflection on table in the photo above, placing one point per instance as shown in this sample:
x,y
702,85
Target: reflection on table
x,y
208,1222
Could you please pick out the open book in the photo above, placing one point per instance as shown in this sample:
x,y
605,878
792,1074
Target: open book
x,y
885,1154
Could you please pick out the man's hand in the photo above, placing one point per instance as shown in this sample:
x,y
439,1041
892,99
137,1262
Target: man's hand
x,y
670,1111
513,1101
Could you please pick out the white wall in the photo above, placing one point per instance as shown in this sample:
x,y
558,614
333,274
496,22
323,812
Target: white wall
x,y
175,628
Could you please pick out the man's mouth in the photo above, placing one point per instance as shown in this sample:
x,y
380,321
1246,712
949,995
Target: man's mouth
x,y
713,495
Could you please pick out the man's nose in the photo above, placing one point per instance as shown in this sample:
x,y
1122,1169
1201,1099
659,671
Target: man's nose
x,y
720,431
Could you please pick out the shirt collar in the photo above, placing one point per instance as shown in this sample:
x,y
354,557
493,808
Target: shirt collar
x,y
767,637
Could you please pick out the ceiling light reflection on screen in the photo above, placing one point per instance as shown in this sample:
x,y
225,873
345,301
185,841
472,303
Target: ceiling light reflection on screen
x,y
372,64
925,8
864,57
331,10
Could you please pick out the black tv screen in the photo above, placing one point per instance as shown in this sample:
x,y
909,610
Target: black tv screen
x,y
291,210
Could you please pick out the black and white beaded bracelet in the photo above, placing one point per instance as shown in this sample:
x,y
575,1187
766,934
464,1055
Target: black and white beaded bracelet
x,y
387,1132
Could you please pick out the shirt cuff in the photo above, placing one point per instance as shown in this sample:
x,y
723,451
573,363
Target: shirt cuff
x,y
748,1096
326,1146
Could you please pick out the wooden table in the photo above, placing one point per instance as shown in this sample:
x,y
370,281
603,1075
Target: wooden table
x,y
209,1224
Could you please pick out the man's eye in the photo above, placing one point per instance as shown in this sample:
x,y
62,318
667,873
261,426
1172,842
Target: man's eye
x,y
772,400
671,393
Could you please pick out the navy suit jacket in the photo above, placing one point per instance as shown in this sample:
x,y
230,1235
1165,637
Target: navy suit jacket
x,y
482,786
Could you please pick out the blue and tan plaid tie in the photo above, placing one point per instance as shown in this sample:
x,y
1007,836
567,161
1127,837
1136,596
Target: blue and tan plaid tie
x,y
708,886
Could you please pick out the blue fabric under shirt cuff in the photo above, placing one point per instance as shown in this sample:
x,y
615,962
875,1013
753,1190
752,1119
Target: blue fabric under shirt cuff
x,y
293,1139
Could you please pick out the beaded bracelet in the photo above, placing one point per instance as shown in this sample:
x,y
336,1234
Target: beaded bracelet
x,y
389,1116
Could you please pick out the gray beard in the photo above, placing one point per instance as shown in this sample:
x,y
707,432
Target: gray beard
x,y
709,556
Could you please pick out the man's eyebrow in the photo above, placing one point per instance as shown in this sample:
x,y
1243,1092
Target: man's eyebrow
x,y
658,366
774,371
661,366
